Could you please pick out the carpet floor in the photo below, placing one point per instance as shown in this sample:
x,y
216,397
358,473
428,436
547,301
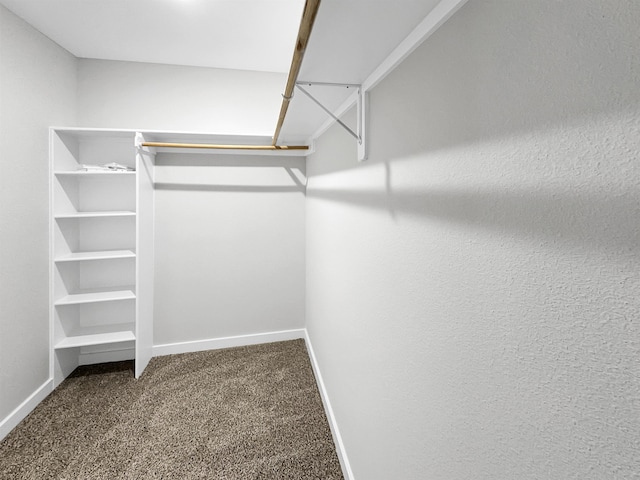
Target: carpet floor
x,y
240,413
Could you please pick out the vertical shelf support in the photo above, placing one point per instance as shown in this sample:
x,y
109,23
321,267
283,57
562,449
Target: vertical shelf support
x,y
362,105
145,161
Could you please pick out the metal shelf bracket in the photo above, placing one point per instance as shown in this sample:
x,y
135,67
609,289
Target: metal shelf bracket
x,y
361,107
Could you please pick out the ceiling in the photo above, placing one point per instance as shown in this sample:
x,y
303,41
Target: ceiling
x,y
350,38
235,34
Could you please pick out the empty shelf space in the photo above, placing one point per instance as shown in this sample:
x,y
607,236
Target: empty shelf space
x,y
96,296
98,336
105,255
121,213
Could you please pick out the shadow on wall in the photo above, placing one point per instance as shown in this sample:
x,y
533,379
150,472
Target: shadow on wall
x,y
473,81
195,187
197,159
574,183
261,173
603,222
519,125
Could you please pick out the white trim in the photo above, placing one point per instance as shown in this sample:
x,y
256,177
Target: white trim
x,y
434,20
25,408
333,424
238,136
118,355
226,342
51,258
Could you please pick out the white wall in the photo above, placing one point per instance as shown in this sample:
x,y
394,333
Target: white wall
x,y
37,89
472,289
229,239
229,246
167,97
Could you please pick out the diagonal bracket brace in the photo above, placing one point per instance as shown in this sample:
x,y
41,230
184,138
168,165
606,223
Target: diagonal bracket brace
x,y
361,106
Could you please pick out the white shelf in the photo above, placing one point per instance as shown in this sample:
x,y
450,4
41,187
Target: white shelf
x,y
101,234
106,255
98,336
83,173
123,213
96,297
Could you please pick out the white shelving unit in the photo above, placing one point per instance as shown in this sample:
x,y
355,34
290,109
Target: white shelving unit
x,y
102,241
101,250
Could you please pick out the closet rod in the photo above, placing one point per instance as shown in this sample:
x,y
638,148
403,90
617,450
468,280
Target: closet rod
x,y
306,24
225,147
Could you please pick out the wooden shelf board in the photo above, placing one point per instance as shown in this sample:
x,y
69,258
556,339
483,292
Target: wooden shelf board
x,y
96,297
105,255
100,338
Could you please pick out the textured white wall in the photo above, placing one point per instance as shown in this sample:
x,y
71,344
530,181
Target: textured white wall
x,y
229,246
168,97
37,89
472,290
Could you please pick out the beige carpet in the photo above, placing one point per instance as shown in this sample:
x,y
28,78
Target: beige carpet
x,y
241,413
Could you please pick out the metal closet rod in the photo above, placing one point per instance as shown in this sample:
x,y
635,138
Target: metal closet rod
x,y
224,147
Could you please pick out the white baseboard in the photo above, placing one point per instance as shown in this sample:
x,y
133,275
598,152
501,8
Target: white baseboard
x,y
226,342
25,408
333,424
